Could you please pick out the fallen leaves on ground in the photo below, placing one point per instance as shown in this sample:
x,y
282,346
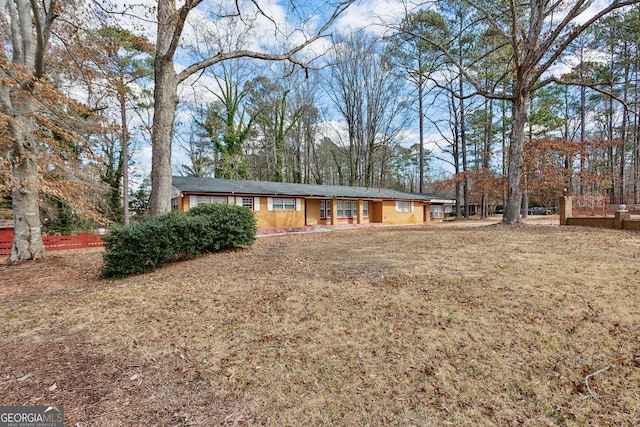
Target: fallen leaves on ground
x,y
433,325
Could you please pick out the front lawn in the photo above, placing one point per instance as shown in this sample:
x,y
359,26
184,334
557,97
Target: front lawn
x,y
434,325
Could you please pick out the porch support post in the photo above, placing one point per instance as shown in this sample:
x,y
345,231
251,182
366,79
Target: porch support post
x,y
334,211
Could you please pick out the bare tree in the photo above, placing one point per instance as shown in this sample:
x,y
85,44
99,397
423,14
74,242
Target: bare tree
x,y
369,99
200,151
171,21
306,129
418,60
534,35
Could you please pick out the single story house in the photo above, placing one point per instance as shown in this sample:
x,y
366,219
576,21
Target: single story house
x,y
282,206
439,207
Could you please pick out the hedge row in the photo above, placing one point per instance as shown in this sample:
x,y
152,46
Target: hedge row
x,y
176,236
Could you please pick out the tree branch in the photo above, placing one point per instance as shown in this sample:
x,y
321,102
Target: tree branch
x,y
42,19
287,56
586,382
98,4
616,4
593,87
183,12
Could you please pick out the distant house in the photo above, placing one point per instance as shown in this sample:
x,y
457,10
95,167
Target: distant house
x,y
439,207
289,207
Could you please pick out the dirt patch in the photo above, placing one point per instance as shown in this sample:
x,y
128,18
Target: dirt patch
x,y
434,325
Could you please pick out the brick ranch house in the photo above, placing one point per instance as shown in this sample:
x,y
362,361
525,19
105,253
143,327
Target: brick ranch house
x,y
295,207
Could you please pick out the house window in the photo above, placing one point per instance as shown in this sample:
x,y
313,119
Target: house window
x,y
436,211
174,204
403,206
365,208
325,209
247,202
347,208
202,200
281,204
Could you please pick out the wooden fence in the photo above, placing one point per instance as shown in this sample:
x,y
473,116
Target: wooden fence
x,y
53,243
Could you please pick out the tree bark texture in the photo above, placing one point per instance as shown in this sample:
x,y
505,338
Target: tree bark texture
x,y
516,160
27,240
170,25
165,104
29,24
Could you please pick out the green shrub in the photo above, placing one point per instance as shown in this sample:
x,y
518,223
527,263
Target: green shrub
x,y
231,225
140,247
175,236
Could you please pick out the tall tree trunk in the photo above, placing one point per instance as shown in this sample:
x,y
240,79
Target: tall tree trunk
x,y
636,161
636,144
421,125
165,104
30,24
486,154
623,152
612,160
636,135
124,138
503,163
623,127
170,25
455,151
463,133
27,240
516,157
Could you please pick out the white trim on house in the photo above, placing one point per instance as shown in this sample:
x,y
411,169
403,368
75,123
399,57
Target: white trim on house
x,y
404,206
283,204
437,211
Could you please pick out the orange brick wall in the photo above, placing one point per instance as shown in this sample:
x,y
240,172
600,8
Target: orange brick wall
x,y
591,222
631,224
278,219
391,216
379,212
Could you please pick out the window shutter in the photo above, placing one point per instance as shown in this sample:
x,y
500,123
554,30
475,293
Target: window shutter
x,y
298,204
269,203
411,206
256,203
239,201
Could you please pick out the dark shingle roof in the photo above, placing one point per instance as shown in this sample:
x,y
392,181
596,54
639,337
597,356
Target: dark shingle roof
x,y
266,188
439,198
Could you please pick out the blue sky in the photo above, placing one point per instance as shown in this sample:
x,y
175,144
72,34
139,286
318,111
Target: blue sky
x,y
282,29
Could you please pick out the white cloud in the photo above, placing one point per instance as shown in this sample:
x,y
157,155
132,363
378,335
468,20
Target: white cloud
x,y
255,32
374,16
142,159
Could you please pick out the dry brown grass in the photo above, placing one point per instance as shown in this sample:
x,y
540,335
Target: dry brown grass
x,y
425,326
